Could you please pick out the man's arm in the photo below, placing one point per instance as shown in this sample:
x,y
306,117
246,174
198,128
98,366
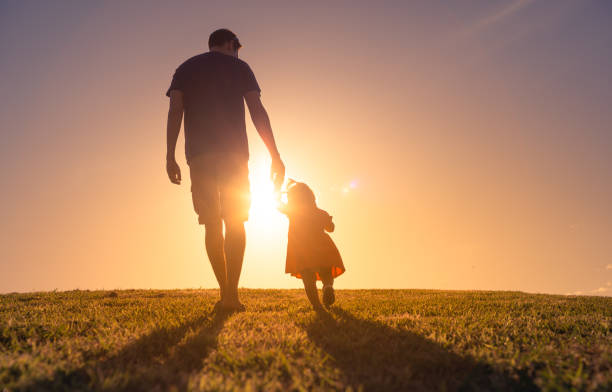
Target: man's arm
x,y
264,129
175,117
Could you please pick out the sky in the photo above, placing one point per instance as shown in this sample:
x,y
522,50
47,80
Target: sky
x,y
458,145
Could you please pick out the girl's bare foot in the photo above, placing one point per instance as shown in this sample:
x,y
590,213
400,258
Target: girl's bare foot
x,y
329,297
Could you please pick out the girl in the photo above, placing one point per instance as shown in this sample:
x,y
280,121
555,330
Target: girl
x,y
311,253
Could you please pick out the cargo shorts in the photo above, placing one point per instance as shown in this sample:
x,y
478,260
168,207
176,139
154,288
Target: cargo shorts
x,y
220,187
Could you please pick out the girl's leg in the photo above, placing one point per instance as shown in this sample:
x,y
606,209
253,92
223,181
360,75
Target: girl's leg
x,y
310,285
326,277
329,297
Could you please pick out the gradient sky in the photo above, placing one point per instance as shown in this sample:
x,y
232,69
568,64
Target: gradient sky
x,y
458,145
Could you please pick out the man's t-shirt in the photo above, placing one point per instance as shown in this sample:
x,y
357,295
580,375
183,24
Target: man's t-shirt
x,y
213,86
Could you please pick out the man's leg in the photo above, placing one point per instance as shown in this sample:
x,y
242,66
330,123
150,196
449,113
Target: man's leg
x,y
235,242
235,203
205,195
213,239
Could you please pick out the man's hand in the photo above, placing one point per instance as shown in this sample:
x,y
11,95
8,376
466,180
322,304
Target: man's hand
x,y
277,173
174,171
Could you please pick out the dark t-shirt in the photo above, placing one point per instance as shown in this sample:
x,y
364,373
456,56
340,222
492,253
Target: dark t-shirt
x,y
213,86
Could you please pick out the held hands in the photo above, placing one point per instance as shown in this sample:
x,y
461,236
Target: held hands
x,y
277,172
174,171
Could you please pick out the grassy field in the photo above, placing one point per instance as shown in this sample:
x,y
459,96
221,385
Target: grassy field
x,y
371,340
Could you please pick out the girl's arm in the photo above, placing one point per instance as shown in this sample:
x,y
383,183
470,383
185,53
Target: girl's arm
x,y
329,225
282,207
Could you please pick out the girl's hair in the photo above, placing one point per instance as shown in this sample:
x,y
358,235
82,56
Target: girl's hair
x,y
300,195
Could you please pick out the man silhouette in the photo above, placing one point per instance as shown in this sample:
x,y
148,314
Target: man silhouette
x,y
209,88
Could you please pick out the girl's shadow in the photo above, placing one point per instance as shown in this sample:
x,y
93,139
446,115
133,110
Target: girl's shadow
x,y
379,357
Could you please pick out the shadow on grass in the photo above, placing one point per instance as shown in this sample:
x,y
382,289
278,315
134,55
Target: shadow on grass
x,y
161,360
377,357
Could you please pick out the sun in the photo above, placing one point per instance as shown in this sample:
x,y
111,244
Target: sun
x,y
263,201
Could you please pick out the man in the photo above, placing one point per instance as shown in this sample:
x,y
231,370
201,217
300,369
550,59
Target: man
x,y
209,88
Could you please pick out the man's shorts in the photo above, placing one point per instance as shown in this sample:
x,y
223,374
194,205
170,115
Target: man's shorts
x,y
220,187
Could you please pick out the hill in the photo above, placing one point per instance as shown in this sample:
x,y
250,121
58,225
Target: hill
x,y
372,340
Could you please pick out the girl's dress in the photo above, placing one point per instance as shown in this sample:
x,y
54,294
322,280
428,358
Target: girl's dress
x,y
309,247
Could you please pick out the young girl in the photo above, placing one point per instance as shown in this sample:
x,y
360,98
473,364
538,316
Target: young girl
x,y
311,253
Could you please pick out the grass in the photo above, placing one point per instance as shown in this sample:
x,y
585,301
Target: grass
x,y
371,340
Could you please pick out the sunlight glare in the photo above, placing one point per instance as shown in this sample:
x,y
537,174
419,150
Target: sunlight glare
x,y
263,201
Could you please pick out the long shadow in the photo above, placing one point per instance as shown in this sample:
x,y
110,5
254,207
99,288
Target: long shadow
x,y
377,357
161,360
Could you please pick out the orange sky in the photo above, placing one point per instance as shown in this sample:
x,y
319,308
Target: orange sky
x,y
476,139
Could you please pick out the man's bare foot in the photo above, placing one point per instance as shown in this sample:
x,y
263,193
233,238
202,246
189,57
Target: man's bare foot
x,y
219,306
232,303
235,306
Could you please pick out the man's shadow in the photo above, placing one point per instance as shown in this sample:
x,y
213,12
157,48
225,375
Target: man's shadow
x,y
163,359
377,357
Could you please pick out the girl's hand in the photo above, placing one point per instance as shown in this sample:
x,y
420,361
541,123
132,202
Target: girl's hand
x,y
282,207
329,225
